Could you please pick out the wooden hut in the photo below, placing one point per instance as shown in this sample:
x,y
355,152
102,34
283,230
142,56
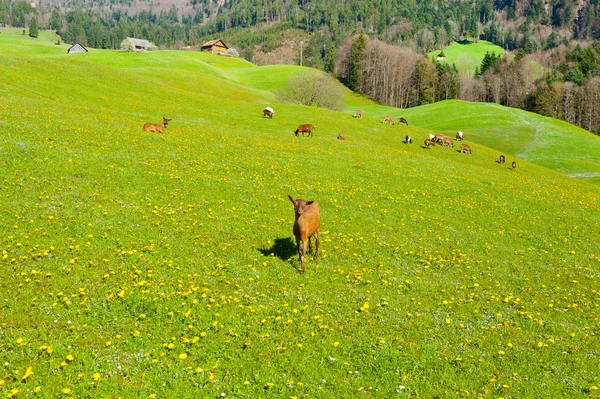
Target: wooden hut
x,y
77,48
215,46
139,44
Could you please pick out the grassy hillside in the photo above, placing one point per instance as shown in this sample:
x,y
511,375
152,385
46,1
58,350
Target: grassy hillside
x,y
549,142
466,54
136,264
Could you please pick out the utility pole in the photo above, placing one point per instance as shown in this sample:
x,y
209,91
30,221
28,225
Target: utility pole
x,y
301,43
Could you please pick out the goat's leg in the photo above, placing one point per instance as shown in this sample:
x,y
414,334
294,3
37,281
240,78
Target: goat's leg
x,y
316,235
309,245
304,245
299,249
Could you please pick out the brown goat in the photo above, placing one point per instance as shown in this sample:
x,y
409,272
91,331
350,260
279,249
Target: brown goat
x,y
429,142
502,159
357,114
306,225
439,138
308,128
402,120
340,137
465,148
389,119
157,127
447,141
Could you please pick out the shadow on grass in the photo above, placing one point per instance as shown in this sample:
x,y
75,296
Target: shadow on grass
x,y
463,42
283,248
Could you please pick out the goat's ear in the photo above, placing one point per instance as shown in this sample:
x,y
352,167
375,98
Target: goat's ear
x,y
309,202
291,199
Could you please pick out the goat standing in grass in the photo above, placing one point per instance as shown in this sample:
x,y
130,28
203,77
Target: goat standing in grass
x,y
408,140
459,136
514,165
429,142
306,225
357,114
465,148
502,159
340,137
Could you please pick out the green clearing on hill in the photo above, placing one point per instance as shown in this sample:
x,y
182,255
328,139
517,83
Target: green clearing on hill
x,y
552,143
136,264
466,54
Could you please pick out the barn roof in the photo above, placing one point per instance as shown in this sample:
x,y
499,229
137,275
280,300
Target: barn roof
x,y
139,42
213,42
77,45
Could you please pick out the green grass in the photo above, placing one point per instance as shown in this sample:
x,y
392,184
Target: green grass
x,y
467,55
552,143
164,264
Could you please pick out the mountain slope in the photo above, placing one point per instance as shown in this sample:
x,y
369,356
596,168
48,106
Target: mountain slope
x,y
137,264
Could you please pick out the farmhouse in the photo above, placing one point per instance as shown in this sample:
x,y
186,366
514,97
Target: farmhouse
x,y
215,46
139,44
77,48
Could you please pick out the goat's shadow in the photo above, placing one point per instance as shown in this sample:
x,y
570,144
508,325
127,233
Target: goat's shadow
x,y
283,248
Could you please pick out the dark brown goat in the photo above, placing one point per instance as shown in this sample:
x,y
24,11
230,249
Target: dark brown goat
x,y
308,128
402,120
408,140
514,165
340,137
306,225
502,159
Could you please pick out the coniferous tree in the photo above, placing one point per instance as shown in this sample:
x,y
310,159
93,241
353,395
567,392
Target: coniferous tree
x,y
33,28
354,65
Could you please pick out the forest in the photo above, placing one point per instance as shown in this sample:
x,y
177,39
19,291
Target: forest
x,y
378,48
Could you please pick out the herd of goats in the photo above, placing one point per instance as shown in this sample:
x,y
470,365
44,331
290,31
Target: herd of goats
x,y
307,214
433,139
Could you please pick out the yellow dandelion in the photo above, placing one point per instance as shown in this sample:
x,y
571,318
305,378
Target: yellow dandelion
x,y
28,373
336,344
66,391
37,389
183,355
69,358
13,393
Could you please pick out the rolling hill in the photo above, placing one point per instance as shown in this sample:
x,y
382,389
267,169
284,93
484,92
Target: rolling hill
x,y
136,264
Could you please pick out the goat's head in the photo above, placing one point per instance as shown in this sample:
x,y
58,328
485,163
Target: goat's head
x,y
300,205
166,121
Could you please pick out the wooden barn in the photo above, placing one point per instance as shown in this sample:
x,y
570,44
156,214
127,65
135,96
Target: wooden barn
x,y
215,46
139,44
77,48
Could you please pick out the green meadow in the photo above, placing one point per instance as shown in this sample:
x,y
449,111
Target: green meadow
x,y
466,54
144,265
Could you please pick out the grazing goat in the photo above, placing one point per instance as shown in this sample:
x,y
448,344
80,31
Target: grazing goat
x,y
408,140
402,120
514,165
439,138
502,160
306,225
308,128
465,148
459,136
389,119
447,141
157,127
357,114
429,142
340,137
268,112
